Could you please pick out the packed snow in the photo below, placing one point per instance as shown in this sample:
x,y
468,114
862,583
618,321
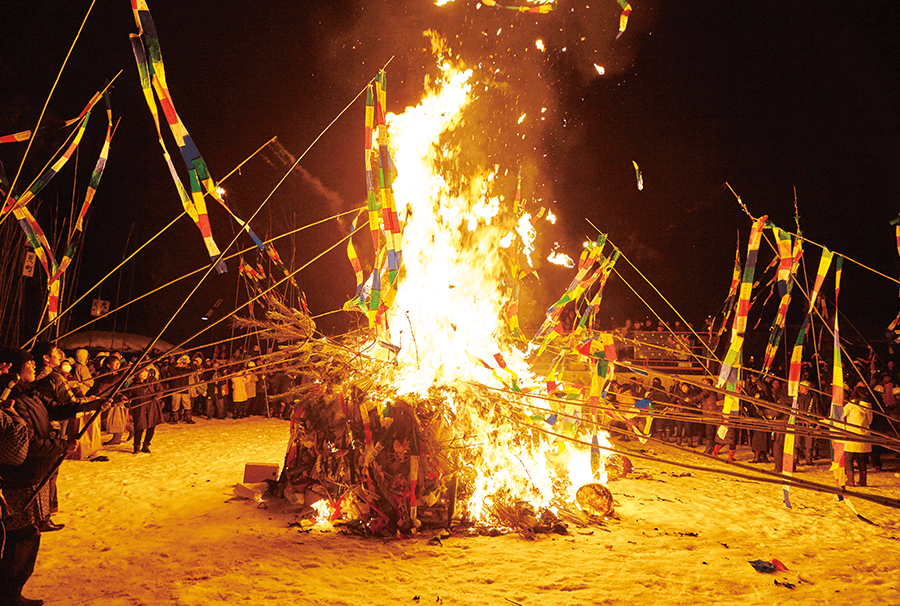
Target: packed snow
x,y
167,528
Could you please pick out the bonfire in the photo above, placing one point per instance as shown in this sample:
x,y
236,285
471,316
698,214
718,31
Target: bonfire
x,y
404,425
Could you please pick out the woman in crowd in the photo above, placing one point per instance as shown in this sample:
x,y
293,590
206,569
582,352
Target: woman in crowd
x,y
146,409
117,417
239,384
81,374
858,416
53,388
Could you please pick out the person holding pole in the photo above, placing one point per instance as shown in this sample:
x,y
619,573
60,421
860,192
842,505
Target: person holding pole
x,y
27,506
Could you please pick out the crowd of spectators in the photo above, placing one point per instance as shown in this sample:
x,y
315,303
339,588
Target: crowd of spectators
x,y
689,413
50,396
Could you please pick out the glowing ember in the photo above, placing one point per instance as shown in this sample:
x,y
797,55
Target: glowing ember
x,y
600,69
539,44
559,258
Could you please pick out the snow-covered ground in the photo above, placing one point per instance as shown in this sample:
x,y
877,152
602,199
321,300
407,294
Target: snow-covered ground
x,y
164,528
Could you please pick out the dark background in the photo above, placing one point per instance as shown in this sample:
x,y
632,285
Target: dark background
x,y
768,97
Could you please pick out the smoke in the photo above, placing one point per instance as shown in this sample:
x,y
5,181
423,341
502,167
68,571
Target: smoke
x,y
286,159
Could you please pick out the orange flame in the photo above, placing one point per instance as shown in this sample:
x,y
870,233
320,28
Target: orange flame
x,y
451,296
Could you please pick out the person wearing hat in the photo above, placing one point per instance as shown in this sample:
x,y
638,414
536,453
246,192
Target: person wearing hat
x,y
81,374
28,507
104,386
54,388
253,405
198,390
179,383
239,384
146,409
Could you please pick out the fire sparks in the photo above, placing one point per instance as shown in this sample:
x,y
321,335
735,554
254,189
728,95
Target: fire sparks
x,y
600,69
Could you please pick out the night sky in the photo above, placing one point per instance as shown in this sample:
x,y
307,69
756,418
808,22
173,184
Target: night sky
x,y
768,97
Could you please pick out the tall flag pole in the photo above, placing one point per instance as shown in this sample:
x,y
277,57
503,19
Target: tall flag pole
x,y
148,57
733,357
376,294
730,373
787,269
27,221
787,460
837,387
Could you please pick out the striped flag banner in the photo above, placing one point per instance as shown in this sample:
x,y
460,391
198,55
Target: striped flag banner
x,y
732,357
791,260
152,72
787,462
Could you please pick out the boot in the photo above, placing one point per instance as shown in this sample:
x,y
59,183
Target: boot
x,y
187,417
137,441
731,455
173,418
714,450
146,447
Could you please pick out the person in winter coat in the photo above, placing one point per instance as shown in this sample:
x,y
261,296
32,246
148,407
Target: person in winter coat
x,y
20,482
179,383
239,389
117,416
218,390
685,407
706,402
54,389
253,390
81,374
858,417
198,387
146,410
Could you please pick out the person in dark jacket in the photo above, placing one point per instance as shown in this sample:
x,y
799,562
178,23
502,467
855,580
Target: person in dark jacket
x,y
146,410
20,482
54,390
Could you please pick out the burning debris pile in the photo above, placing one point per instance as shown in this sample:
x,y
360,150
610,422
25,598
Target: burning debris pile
x,y
404,425
385,463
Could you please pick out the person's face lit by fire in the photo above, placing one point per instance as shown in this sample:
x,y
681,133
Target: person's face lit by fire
x,y
26,375
54,358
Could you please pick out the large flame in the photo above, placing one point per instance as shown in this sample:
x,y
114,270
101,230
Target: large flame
x,y
451,295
